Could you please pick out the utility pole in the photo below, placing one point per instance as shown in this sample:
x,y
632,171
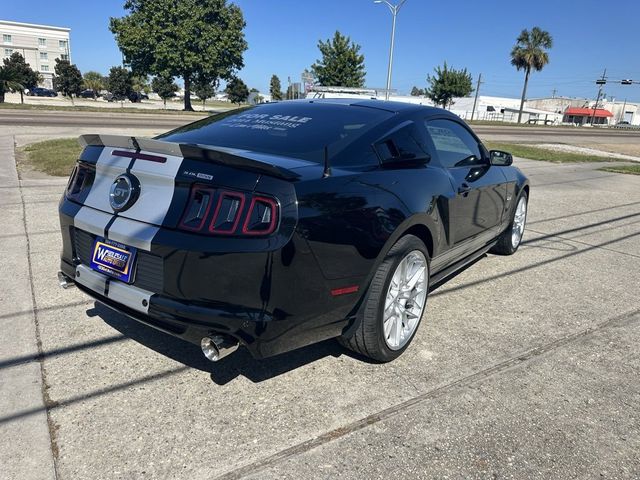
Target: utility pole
x,y
553,93
601,81
475,100
624,107
394,9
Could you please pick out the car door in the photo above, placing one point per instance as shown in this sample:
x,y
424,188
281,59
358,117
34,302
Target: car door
x,y
477,204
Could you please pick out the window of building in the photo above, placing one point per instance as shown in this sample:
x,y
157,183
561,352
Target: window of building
x,y
456,147
6,38
63,44
42,42
8,52
64,56
44,56
44,68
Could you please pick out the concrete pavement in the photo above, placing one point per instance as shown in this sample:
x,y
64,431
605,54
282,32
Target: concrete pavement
x,y
26,451
524,366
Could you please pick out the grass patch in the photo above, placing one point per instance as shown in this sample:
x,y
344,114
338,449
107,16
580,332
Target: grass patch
x,y
53,157
629,169
83,108
546,155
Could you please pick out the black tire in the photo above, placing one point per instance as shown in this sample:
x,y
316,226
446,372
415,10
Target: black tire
x,y
368,337
505,244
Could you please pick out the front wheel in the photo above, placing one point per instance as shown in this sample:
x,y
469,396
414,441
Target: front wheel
x,y
394,303
510,239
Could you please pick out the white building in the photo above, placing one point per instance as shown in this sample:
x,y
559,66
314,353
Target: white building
x,y
40,45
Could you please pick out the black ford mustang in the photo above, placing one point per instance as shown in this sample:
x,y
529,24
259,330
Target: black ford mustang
x,y
284,224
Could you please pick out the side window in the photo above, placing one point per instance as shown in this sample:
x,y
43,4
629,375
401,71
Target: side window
x,y
456,147
402,144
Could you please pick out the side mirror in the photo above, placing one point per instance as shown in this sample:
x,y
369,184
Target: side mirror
x,y
500,158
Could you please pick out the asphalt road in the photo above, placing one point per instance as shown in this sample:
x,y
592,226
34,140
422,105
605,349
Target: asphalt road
x,y
53,118
106,120
524,366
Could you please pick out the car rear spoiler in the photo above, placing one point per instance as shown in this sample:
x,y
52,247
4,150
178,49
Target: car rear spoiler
x,y
208,153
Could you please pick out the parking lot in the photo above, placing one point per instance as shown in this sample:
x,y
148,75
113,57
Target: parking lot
x,y
523,367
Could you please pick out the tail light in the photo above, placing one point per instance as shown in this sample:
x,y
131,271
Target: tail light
x,y
227,214
222,213
80,181
197,209
261,219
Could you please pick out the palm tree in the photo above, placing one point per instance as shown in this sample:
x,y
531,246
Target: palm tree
x,y
10,80
528,53
93,81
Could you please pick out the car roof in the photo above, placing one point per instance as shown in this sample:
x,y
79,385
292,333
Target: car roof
x,y
389,106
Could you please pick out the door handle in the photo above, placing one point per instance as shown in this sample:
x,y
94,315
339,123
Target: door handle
x,y
464,188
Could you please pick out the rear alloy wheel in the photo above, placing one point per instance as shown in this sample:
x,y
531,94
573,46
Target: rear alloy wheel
x,y
394,303
510,239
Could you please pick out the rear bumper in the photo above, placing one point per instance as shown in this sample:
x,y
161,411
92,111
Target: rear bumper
x,y
270,301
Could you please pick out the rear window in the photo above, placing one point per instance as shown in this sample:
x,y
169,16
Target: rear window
x,y
300,130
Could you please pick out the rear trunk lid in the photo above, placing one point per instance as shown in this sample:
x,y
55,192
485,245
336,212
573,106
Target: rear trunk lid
x,y
168,173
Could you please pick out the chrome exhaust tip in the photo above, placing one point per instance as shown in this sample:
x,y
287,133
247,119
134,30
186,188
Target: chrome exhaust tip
x,y
64,281
216,347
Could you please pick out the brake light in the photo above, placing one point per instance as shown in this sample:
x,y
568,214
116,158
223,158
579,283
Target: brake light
x,y
261,218
139,156
197,209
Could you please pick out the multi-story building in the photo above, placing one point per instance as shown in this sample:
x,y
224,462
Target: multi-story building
x,y
40,45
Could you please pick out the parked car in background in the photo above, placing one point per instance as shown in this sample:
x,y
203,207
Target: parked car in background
x,y
136,97
42,92
88,93
110,97
284,224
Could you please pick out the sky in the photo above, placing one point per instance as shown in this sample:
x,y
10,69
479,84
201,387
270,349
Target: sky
x,y
588,36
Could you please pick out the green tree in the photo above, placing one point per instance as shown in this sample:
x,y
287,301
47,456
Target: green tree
x,y
237,91
165,87
204,88
341,65
93,81
186,38
119,82
140,83
67,78
530,53
447,84
28,78
9,81
416,92
275,88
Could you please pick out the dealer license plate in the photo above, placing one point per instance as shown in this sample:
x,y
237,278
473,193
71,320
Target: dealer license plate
x,y
114,259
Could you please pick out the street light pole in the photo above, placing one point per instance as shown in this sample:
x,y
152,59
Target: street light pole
x,y
394,13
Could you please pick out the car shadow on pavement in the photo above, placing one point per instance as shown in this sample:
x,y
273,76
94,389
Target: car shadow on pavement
x,y
240,363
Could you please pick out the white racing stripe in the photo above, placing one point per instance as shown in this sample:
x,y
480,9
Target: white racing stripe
x,y
157,184
108,168
91,279
132,233
92,220
138,225
128,295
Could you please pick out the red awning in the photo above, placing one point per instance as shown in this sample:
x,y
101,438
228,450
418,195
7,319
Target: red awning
x,y
588,112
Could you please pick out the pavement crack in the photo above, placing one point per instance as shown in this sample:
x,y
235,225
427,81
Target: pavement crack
x,y
548,236
51,425
464,382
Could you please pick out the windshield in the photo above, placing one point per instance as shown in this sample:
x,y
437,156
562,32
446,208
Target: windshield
x,y
295,129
